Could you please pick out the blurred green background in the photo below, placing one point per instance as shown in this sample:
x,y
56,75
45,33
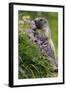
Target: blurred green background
x,y
31,63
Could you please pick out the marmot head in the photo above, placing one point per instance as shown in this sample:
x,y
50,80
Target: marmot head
x,y
41,23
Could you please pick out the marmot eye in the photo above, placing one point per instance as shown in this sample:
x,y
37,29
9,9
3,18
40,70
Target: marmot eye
x,y
45,21
41,19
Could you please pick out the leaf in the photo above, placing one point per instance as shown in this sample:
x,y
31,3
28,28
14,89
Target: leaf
x,y
22,73
34,67
32,73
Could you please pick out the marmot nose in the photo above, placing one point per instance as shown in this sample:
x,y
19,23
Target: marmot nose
x,y
36,22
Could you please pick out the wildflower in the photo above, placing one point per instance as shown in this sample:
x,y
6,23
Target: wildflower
x,y
28,21
25,18
39,42
33,25
29,31
21,22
